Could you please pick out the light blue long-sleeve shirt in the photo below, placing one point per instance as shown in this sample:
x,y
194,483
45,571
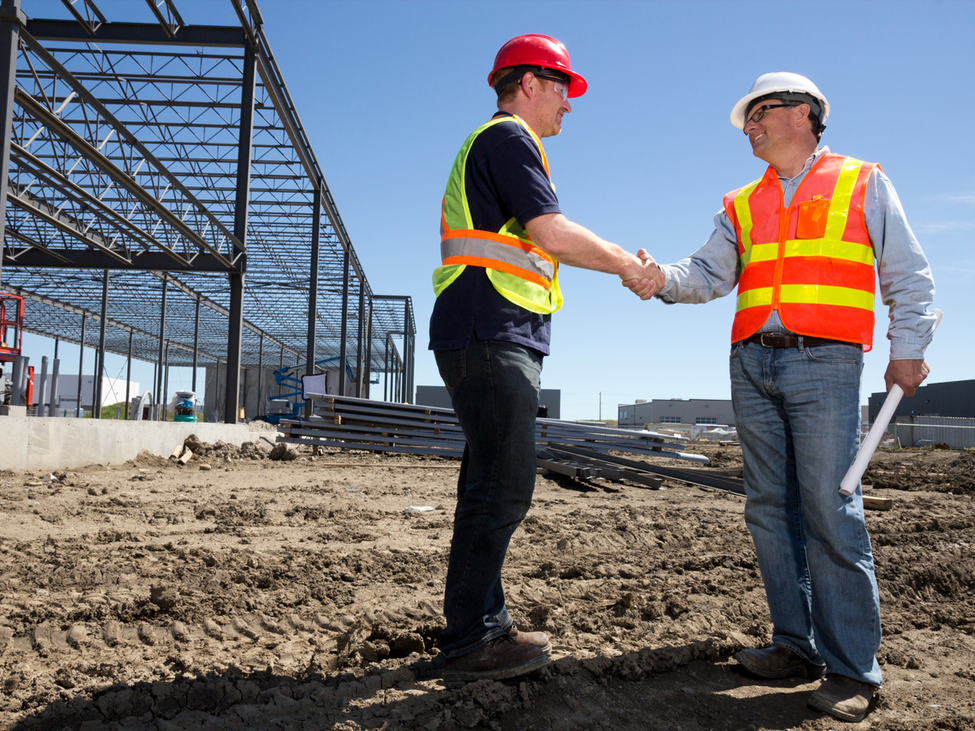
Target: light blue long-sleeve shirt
x,y
906,284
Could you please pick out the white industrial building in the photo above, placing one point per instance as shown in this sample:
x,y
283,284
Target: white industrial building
x,y
689,412
114,391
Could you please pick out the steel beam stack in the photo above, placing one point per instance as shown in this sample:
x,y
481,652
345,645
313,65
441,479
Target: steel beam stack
x,y
575,449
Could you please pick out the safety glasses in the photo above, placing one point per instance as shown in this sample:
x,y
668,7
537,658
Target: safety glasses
x,y
561,85
759,114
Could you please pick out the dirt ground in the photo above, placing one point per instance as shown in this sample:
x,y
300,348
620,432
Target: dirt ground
x,y
239,592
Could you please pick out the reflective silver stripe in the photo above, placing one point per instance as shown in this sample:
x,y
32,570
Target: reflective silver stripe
x,y
488,249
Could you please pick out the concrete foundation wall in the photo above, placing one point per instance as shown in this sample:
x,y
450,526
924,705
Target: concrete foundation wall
x,y
40,443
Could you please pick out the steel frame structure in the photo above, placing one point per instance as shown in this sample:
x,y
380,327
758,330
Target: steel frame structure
x,y
156,178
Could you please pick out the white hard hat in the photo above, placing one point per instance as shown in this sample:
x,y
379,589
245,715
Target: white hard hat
x,y
779,82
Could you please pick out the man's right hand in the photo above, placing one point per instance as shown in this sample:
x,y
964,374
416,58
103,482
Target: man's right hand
x,y
644,279
908,374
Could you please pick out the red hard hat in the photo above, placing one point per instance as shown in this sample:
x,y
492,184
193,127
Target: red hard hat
x,y
538,50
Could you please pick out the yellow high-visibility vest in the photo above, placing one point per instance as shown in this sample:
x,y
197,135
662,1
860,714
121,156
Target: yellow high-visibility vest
x,y
520,271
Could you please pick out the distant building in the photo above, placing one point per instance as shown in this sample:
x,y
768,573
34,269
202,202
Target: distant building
x,y
676,411
66,403
550,401
952,398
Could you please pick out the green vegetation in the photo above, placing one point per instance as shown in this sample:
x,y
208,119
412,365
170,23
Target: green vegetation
x,y
108,412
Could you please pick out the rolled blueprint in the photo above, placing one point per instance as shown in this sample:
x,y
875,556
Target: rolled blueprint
x,y
849,484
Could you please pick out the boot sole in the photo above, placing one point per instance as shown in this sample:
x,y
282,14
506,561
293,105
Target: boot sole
x,y
454,679
810,672
824,707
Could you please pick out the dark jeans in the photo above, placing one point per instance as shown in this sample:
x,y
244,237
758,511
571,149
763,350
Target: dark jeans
x,y
494,387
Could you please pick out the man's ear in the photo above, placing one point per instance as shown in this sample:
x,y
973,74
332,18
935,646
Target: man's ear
x,y
529,85
805,109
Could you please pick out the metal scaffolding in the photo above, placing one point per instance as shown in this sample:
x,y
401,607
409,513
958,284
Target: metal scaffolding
x,y
158,180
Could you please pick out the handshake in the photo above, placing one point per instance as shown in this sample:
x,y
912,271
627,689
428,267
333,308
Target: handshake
x,y
643,277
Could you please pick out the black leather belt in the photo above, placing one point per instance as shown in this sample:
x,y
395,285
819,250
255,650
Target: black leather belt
x,y
777,340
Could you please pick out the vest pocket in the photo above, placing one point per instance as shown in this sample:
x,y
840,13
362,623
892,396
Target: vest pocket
x,y
812,218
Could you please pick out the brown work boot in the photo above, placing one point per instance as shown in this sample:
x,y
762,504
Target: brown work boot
x,y
500,658
843,698
777,662
529,639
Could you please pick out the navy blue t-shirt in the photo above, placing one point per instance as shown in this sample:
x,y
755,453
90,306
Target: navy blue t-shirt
x,y
505,177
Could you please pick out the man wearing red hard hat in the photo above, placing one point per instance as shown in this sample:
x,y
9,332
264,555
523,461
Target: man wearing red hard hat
x,y
503,237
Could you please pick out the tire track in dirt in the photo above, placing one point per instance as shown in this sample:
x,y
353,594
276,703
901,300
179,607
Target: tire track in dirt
x,y
403,632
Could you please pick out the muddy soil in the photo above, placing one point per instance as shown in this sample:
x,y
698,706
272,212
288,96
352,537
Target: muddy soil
x,y
240,592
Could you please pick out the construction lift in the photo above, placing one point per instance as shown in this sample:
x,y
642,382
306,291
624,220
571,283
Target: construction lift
x,y
290,403
11,343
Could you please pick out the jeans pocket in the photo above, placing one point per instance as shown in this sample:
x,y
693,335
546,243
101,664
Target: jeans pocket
x,y
838,353
452,365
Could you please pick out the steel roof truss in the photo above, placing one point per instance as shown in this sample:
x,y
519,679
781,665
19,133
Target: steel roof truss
x,y
131,146
170,20
90,19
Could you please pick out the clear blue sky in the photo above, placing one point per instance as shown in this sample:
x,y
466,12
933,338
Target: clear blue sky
x,y
387,92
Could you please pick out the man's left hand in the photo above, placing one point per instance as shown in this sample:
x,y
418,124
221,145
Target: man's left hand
x,y
647,286
908,374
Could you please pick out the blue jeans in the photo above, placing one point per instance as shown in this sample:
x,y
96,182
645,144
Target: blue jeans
x,y
798,417
494,387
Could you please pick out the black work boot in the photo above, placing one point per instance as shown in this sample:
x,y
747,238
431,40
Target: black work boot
x,y
500,658
778,662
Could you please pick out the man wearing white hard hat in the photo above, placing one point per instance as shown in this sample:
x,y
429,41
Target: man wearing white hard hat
x,y
801,244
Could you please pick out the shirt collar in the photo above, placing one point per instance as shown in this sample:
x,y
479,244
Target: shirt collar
x,y
820,151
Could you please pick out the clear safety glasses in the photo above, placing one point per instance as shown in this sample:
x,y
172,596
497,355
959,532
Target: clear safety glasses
x,y
759,114
561,85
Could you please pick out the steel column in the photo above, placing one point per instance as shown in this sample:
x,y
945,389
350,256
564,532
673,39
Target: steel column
x,y
407,360
367,380
164,401
100,357
406,338
386,371
316,224
281,365
128,379
12,19
42,389
343,348
399,382
360,331
158,385
81,367
196,343
260,377
53,402
241,204
405,385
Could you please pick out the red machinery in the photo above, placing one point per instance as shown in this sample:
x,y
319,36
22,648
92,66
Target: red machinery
x,y
11,326
12,334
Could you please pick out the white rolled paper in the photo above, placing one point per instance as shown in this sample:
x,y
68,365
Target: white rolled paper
x,y
869,446
849,484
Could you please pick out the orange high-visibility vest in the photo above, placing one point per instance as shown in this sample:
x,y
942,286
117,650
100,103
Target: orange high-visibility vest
x,y
812,261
